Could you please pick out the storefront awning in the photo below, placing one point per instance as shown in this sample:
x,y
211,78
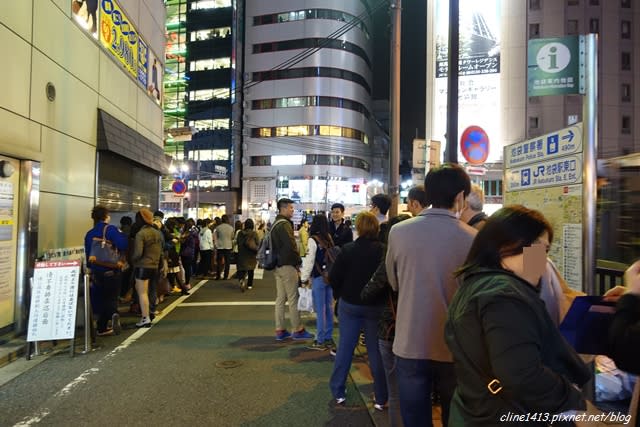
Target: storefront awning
x,y
116,137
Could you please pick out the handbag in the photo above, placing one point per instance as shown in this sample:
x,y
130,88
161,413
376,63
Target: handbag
x,y
104,253
305,301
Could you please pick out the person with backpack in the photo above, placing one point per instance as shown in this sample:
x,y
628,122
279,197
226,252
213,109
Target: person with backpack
x,y
286,272
314,264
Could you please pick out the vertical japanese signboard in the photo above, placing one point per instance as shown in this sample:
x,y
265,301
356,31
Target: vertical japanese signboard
x,y
119,36
54,296
478,67
545,173
9,187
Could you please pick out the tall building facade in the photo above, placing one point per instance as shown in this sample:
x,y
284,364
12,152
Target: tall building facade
x,y
81,124
199,98
307,132
616,22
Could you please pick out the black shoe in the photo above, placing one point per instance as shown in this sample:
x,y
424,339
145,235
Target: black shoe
x,y
185,293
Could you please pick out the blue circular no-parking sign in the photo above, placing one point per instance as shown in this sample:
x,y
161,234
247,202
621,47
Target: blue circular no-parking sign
x,y
179,187
474,145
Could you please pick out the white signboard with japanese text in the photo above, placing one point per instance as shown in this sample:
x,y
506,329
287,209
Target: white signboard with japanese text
x,y
54,296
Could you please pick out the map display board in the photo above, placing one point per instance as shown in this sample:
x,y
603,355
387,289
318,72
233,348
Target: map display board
x,y
545,174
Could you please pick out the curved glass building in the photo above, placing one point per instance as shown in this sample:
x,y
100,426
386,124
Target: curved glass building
x,y
307,119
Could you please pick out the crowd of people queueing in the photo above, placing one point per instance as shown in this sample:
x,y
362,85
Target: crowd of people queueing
x,y
449,301
159,257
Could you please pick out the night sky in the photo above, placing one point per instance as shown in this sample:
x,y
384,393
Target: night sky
x,y
413,71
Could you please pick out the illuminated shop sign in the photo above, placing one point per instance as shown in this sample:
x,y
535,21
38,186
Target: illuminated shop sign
x,y
105,20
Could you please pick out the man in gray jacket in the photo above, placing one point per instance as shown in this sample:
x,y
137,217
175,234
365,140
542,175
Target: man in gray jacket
x,y
422,255
284,245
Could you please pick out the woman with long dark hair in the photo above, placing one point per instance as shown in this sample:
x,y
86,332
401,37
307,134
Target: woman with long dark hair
x,y
313,267
247,252
509,356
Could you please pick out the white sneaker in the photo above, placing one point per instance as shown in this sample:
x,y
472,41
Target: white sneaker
x,y
340,400
378,407
145,322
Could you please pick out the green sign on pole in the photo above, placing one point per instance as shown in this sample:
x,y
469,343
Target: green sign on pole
x,y
553,66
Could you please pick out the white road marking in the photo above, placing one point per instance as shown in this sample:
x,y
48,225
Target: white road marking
x,y
225,303
84,377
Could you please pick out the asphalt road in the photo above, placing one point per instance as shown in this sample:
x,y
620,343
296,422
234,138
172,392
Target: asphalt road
x,y
209,360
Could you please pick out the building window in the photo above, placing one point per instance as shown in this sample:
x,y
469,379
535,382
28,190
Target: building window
x,y
534,31
625,61
626,4
594,25
625,29
625,92
626,125
534,4
572,26
533,123
573,2
210,4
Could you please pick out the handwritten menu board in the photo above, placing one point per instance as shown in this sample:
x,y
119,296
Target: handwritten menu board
x,y
53,300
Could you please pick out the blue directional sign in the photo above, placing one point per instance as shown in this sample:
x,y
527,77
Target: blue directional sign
x,y
561,171
561,143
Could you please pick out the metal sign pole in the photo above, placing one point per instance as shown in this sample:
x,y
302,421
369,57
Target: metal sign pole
x,y
87,316
590,144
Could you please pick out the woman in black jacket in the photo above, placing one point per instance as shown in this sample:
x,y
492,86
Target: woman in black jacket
x,y
376,290
247,241
509,357
350,273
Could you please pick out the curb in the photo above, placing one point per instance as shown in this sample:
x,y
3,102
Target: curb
x,y
11,351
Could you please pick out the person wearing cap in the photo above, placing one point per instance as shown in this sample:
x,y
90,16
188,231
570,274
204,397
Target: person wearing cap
x,y
286,272
340,231
147,250
105,280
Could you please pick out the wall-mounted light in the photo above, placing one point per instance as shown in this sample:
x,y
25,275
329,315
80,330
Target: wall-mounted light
x,y
6,169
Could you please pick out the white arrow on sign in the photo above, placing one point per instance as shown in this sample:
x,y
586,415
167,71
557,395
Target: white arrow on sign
x,y
561,143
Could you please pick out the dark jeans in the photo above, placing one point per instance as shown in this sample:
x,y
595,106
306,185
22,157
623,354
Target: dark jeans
x,y
105,289
390,372
415,383
205,262
353,318
249,274
226,255
187,264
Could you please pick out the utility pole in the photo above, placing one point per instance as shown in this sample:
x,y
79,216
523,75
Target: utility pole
x,y
326,192
394,155
451,152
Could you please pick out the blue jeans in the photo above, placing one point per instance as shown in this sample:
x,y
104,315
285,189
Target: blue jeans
x,y
390,371
415,383
322,299
352,319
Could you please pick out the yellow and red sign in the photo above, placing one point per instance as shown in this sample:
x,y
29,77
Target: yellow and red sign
x,y
119,36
